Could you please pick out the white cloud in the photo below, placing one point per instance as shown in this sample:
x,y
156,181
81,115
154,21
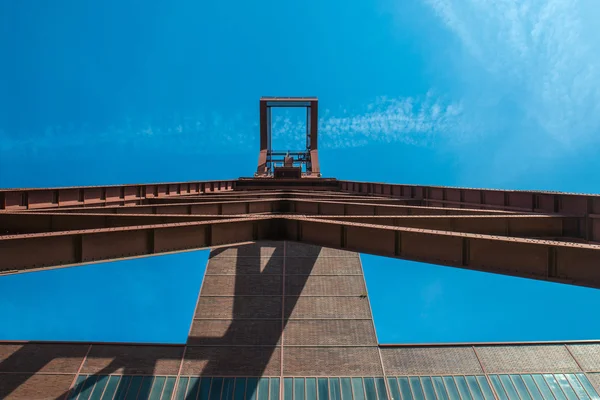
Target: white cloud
x,y
544,53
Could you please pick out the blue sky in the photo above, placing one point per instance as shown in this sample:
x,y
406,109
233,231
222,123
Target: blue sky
x,y
497,94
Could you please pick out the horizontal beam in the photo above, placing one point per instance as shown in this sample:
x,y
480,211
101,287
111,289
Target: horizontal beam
x,y
539,259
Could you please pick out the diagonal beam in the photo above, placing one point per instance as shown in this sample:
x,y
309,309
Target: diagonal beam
x,y
540,259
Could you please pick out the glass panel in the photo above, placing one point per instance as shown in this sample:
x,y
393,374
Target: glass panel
x,y
227,394
564,384
251,388
157,387
334,389
78,384
463,388
323,389
181,388
87,387
99,387
440,389
298,389
381,389
288,392
215,388
577,387
122,388
193,388
239,391
588,386
169,386
370,390
405,389
428,388
520,386
358,389
311,389
474,388
509,388
263,389
346,389
542,385
488,394
498,387
451,388
274,389
554,386
415,386
532,387
134,387
144,391
111,387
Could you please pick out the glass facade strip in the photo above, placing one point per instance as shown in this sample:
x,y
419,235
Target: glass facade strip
x,y
509,388
451,388
463,388
577,387
405,389
488,393
520,387
122,387
288,389
193,388
239,392
145,387
498,388
77,388
428,388
323,388
554,387
334,389
111,387
532,387
381,389
157,387
565,386
311,389
251,388
182,384
346,388
263,389
134,387
299,388
216,387
87,387
274,389
440,388
542,385
99,387
394,388
416,389
168,389
370,390
588,386
474,387
357,389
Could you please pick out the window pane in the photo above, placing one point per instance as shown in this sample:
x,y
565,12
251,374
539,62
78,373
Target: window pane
x,y
144,391
346,389
485,387
134,387
451,388
564,384
251,388
311,389
99,387
381,389
288,390
298,389
169,386
428,388
87,387
181,388
204,391
554,386
263,389
157,387
577,387
334,389
405,389
122,387
415,386
370,390
532,387
215,388
463,389
588,386
509,387
357,389
78,385
227,392
394,390
274,389
323,389
498,387
474,388
543,386
440,389
520,386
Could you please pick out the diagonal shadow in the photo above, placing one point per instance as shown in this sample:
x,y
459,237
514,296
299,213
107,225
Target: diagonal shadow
x,y
246,348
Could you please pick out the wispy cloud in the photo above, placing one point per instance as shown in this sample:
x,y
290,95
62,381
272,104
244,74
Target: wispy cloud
x,y
545,53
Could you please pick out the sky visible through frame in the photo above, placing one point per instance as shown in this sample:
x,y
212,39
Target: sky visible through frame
x,y
496,94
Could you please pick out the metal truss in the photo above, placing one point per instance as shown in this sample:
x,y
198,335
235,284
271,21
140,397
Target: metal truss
x,y
541,235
